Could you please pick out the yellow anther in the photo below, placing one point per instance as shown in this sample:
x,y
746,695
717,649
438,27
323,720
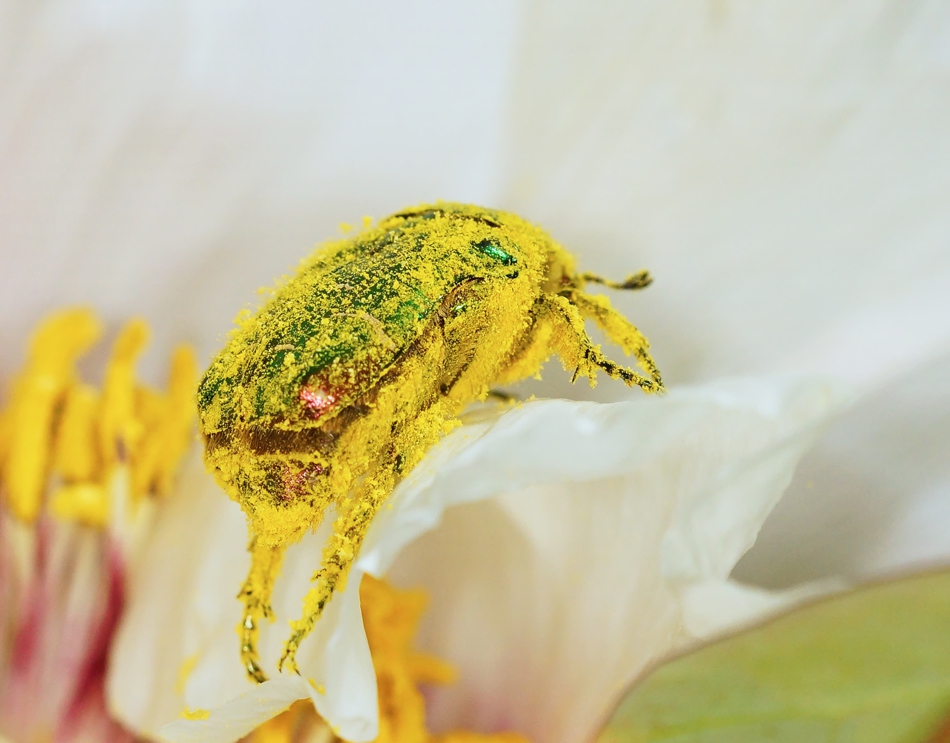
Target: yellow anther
x,y
55,424
280,729
167,420
55,347
427,669
86,502
467,736
299,723
391,617
76,455
149,412
176,431
119,429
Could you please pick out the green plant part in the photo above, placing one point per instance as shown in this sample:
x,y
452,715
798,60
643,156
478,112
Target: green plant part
x,y
357,365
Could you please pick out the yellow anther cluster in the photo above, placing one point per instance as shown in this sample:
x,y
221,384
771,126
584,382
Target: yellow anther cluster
x,y
63,438
391,618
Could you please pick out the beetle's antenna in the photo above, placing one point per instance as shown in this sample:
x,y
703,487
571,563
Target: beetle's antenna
x,y
639,280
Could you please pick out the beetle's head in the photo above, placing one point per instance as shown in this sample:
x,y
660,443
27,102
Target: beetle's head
x,y
515,243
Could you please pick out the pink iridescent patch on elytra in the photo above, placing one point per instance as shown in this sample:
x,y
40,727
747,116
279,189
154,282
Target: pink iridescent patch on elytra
x,y
316,400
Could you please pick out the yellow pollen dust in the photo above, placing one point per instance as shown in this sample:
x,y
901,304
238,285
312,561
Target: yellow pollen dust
x,y
62,440
391,618
195,714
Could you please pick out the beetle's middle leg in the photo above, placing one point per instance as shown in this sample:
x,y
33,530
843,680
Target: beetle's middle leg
x,y
256,595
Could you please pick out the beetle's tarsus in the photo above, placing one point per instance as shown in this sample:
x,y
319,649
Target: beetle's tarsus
x,y
256,593
288,660
625,334
249,650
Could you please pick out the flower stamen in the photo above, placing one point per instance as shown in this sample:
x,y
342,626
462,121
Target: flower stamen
x,y
61,436
80,469
37,393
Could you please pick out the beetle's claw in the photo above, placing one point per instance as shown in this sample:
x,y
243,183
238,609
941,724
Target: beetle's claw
x,y
289,658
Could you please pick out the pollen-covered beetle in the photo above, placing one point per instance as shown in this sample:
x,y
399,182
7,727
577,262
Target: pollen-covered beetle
x,y
357,365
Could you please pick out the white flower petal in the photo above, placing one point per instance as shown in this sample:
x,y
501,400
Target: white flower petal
x,y
240,715
551,599
873,497
557,543
781,168
716,607
181,596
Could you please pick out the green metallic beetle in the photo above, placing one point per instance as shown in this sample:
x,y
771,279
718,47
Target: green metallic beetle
x,y
357,365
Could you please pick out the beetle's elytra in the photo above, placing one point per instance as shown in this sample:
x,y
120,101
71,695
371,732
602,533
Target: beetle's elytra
x,y
339,384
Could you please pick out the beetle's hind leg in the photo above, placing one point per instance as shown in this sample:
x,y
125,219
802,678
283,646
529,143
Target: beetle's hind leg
x,y
575,348
339,554
256,595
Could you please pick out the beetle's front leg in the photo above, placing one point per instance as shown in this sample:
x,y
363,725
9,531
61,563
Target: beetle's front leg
x,y
256,594
619,330
571,342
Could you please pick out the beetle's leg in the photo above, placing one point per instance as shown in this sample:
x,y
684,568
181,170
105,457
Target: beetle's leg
x,y
340,552
571,342
618,329
502,396
639,280
256,594
534,349
407,421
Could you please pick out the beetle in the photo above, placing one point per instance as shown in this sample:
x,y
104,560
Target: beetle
x,y
339,384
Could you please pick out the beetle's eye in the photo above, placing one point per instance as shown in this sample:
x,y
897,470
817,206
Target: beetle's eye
x,y
494,250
